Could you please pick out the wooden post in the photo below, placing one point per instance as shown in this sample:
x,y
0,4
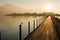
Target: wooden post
x,y
39,21
20,34
33,24
28,27
0,35
36,23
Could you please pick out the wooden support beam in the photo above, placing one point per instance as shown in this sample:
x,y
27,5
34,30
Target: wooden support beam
x,y
20,34
28,27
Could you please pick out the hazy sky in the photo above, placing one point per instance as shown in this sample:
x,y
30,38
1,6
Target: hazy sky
x,y
34,4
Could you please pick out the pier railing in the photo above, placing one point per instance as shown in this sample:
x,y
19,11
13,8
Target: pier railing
x,y
36,24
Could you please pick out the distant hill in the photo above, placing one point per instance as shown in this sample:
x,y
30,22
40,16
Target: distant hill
x,y
34,14
8,9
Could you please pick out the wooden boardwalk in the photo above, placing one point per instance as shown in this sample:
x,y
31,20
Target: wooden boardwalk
x,y
46,31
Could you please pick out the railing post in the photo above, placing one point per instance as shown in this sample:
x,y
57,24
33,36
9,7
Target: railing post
x,y
0,35
33,24
37,23
28,27
20,34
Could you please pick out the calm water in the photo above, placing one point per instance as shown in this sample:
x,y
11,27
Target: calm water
x,y
9,26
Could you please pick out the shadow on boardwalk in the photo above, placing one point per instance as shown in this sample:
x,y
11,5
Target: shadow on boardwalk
x,y
56,22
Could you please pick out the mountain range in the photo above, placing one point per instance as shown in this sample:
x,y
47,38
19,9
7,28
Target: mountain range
x,y
8,9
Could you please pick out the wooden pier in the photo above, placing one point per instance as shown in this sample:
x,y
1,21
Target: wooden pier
x,y
48,30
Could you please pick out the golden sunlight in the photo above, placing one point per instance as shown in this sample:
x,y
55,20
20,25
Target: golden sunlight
x,y
48,7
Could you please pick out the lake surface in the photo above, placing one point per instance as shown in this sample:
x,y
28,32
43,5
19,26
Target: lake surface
x,y
9,26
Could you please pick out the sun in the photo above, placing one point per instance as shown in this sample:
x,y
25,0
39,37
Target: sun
x,y
48,7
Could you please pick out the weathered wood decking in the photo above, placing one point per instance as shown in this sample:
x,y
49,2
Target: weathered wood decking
x,y
48,30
